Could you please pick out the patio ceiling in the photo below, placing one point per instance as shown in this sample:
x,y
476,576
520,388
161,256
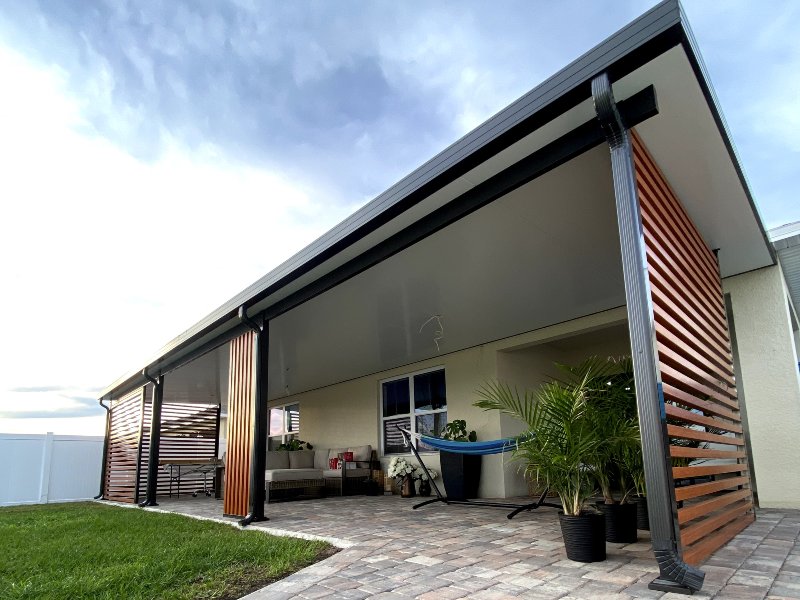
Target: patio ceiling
x,y
546,253
687,138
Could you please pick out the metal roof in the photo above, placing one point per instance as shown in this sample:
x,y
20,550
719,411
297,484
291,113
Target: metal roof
x,y
786,241
661,28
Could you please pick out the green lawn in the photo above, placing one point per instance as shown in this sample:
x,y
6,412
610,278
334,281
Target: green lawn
x,y
88,550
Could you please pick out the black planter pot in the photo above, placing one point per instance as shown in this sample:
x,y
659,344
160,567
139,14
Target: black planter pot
x,y
461,474
584,536
642,516
620,522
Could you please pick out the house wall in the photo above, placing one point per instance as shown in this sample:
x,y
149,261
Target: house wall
x,y
769,378
348,414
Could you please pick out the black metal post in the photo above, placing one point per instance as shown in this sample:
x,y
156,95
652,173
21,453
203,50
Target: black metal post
x,y
259,456
155,439
675,575
104,464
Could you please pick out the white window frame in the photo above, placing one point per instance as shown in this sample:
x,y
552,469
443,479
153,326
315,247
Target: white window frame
x,y
285,435
413,414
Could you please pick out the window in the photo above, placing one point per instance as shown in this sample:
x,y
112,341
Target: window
x,y
417,402
284,424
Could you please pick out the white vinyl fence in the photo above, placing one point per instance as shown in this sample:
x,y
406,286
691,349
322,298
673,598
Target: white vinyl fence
x,y
36,469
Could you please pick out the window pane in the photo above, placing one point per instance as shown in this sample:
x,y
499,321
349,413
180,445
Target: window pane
x,y
392,438
396,398
275,421
429,391
293,417
430,425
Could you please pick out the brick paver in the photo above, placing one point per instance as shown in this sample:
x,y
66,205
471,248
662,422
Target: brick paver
x,y
391,552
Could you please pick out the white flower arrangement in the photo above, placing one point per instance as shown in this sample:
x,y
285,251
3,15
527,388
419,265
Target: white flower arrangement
x,y
399,468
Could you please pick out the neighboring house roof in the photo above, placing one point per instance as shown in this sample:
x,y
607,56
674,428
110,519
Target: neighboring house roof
x,y
786,242
705,171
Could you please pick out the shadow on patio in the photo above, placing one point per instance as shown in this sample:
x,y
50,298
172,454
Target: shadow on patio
x,y
391,551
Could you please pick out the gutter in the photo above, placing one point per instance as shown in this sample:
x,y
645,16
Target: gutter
x,y
104,463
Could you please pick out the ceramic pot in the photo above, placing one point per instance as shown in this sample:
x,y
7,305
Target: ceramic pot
x,y
425,488
584,536
407,488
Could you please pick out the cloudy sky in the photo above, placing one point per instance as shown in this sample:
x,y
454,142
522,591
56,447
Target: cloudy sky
x,y
158,157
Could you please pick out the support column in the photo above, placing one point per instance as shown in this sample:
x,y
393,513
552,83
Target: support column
x,y
259,453
675,575
155,439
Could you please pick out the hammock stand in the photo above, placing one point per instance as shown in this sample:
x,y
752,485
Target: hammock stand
x,y
494,447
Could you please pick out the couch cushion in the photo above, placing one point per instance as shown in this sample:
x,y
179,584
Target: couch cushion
x,y
291,474
301,459
278,459
361,453
321,458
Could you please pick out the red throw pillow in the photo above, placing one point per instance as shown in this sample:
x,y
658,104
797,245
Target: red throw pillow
x,y
333,463
348,457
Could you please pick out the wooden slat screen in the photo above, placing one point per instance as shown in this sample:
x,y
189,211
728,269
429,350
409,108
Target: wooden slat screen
x,y
124,442
241,393
712,485
188,431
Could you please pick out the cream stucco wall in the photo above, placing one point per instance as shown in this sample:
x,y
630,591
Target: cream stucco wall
x,y
769,382
348,413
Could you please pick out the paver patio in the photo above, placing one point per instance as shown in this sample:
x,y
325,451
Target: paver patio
x,y
390,551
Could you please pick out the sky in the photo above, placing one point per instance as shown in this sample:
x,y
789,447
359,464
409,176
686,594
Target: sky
x,y
159,157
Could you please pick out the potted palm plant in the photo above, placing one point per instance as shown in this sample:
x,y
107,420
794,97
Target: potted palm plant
x,y
461,473
612,404
555,451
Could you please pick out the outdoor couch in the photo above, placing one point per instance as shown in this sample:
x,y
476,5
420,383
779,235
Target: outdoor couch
x,y
308,472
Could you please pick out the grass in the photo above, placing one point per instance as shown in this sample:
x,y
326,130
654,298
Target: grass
x,y
88,550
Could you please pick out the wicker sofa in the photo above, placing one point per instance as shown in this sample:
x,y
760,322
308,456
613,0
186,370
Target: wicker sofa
x,y
307,473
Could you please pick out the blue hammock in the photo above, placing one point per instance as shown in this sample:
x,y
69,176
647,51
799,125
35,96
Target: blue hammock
x,y
474,448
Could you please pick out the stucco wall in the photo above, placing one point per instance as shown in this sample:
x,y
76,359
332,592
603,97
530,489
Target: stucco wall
x,y
769,380
348,413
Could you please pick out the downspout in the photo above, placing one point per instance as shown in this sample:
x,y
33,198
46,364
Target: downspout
x,y
675,575
105,453
258,457
155,439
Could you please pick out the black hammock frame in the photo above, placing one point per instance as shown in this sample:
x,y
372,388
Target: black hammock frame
x,y
517,508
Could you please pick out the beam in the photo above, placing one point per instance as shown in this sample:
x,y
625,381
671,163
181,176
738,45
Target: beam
x,y
675,575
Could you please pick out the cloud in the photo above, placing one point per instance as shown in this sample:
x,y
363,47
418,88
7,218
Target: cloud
x,y
49,403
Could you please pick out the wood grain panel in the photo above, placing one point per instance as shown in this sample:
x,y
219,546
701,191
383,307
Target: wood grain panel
x,y
696,367
241,394
122,454
189,431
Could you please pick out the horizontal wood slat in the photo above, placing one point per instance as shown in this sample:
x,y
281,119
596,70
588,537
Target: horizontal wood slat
x,y
696,531
699,419
695,510
703,470
695,364
698,552
674,394
676,431
685,452
703,489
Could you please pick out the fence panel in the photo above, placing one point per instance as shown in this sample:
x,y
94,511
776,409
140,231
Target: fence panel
x,y
41,468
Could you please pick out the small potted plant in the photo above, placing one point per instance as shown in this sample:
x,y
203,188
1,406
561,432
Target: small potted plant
x,y
461,473
294,444
404,473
